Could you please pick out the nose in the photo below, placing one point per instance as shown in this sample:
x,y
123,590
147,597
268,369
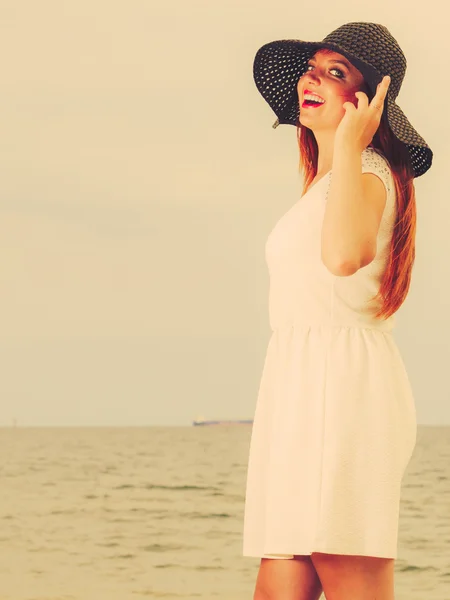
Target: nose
x,y
309,80
311,76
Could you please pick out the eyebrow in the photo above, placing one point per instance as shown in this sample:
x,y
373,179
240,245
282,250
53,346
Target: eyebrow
x,y
340,62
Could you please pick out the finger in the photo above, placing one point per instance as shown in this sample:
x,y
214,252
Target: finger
x,y
384,84
363,100
349,106
382,88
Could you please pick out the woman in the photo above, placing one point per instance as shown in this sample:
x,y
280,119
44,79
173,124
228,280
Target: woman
x,y
335,420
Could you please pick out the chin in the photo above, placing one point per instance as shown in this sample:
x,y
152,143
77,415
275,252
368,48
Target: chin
x,y
305,122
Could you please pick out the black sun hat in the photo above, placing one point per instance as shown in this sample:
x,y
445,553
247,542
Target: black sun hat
x,y
370,48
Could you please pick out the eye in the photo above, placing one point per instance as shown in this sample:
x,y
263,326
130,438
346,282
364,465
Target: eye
x,y
339,71
340,76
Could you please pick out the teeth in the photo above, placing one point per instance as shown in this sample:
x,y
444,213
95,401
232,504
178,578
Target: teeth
x,y
313,97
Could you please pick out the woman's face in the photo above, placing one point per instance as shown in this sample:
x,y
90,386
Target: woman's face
x,y
335,80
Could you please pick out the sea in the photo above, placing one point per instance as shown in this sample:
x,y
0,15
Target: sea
x,y
98,513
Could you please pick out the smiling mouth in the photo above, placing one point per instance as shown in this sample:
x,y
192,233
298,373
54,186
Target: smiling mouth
x,y
311,104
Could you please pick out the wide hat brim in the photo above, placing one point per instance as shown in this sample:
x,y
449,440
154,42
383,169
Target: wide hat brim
x,y
279,65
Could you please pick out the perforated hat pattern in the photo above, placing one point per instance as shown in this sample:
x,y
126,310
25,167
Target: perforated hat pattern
x,y
370,48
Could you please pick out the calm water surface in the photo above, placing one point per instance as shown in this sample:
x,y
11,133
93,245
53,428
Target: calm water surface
x,y
157,512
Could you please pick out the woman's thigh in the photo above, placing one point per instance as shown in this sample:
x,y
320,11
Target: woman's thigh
x,y
356,577
287,579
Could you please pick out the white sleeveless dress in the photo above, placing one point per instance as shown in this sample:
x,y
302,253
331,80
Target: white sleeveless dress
x,y
335,419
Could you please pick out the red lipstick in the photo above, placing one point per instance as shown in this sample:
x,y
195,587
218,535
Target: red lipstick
x,y
306,104
311,92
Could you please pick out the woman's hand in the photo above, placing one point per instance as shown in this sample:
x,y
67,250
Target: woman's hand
x,y
359,124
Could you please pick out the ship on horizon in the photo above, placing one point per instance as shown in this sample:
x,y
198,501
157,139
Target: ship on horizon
x,y
201,421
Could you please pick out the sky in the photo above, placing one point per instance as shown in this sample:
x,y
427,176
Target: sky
x,y
141,176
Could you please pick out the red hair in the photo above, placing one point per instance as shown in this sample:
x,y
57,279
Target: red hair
x,y
396,278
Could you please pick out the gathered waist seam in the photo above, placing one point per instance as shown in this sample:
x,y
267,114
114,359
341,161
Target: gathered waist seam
x,y
334,325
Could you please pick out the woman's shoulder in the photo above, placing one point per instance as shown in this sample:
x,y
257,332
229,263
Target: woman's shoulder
x,y
374,161
374,156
